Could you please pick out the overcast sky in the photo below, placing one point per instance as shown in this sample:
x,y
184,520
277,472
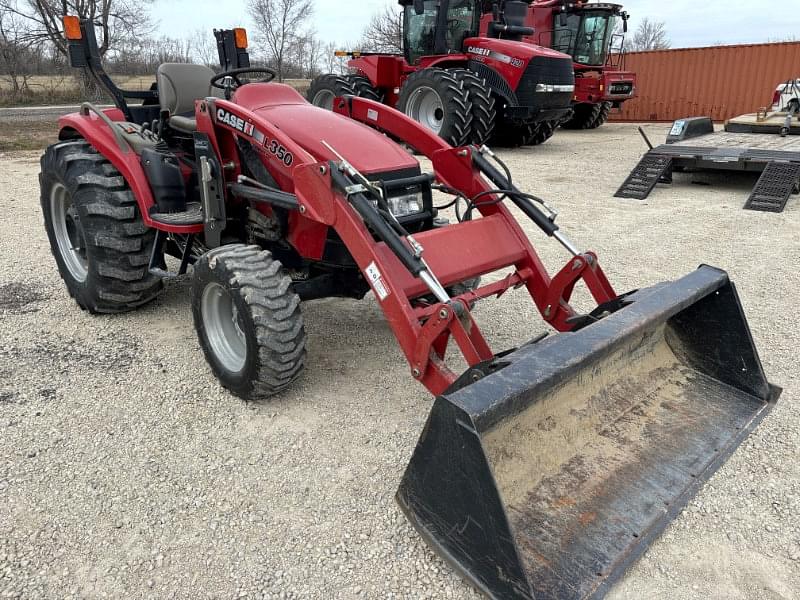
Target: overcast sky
x,y
689,22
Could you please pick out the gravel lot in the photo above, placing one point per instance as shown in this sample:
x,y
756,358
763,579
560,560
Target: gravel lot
x,y
126,471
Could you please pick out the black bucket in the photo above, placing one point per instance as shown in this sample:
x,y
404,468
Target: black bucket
x,y
549,477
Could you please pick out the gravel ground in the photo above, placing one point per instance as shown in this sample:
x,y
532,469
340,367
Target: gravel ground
x,y
126,471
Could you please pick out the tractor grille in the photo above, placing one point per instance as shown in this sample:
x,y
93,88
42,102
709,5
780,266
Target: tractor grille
x,y
494,80
544,69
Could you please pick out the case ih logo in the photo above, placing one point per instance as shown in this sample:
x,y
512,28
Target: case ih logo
x,y
481,51
231,120
484,53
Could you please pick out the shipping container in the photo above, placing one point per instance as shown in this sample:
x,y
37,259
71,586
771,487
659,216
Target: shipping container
x,y
721,82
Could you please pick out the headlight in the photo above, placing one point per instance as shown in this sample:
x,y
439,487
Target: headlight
x,y
551,88
405,204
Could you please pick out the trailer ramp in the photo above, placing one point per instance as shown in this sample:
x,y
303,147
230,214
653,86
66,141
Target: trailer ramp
x,y
645,176
778,181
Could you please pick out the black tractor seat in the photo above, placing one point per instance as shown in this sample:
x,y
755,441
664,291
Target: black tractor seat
x,y
179,85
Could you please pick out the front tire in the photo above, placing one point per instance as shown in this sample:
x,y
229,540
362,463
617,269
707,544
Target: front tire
x,y
482,106
438,100
97,236
248,321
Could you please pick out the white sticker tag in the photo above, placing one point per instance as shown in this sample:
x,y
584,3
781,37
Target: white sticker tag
x,y
677,128
380,289
372,114
376,280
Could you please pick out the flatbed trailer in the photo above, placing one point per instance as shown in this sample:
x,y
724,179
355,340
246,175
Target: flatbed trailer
x,y
750,143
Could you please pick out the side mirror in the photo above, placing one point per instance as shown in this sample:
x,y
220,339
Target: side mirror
x,y
625,22
562,19
419,6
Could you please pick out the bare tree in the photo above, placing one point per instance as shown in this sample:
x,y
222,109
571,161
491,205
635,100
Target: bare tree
x,y
308,55
116,19
384,32
204,48
278,24
333,63
650,35
15,52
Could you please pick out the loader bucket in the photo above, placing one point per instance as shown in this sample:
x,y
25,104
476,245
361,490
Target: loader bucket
x,y
547,478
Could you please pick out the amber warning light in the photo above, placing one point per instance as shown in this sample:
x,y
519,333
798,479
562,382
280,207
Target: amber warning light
x,y
240,35
72,28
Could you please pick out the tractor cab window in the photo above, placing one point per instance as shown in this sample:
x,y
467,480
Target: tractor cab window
x,y
461,23
585,36
420,30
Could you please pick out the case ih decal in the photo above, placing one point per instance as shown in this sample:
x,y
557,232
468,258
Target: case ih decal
x,y
482,54
237,123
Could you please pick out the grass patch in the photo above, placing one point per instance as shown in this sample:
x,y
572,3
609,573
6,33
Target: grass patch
x,y
27,135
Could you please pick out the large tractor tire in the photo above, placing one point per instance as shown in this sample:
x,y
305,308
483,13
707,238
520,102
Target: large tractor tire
x,y
439,101
542,132
482,104
248,321
513,135
363,88
602,115
97,236
583,116
325,88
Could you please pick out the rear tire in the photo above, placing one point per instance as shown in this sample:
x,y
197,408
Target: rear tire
x,y
602,115
481,104
438,100
327,87
363,88
97,236
248,321
514,135
583,116
543,132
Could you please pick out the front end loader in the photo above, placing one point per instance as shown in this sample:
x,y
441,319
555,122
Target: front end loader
x,y
544,470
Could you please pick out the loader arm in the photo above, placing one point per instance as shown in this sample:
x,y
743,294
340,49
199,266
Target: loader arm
x,y
464,170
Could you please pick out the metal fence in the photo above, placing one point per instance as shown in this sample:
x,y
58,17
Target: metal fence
x,y
721,82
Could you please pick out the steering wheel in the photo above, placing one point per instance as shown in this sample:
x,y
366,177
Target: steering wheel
x,y
231,80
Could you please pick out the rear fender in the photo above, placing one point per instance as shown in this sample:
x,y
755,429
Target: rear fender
x,y
91,128
383,71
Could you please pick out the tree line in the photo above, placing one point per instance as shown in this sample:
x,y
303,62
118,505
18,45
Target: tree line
x,y
32,42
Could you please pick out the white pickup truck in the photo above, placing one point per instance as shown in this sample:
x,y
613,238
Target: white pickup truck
x,y
787,96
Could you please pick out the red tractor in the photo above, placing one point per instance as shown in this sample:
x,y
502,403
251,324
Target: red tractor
x,y
588,33
469,84
271,201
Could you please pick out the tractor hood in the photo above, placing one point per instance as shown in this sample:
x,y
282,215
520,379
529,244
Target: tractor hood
x,y
310,126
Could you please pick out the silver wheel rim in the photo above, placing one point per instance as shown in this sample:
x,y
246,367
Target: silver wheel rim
x,y
223,330
425,106
324,99
68,233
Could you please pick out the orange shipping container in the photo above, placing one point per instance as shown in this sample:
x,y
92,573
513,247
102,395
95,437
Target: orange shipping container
x,y
720,82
